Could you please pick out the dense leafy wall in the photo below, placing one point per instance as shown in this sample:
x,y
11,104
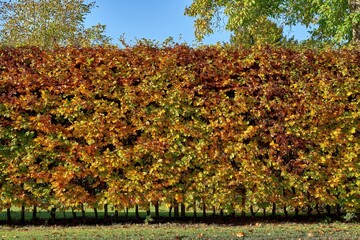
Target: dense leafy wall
x,y
224,127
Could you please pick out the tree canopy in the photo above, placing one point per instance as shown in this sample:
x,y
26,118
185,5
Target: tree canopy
x,y
48,23
261,21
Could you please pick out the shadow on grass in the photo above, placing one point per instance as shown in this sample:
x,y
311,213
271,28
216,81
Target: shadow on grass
x,y
211,219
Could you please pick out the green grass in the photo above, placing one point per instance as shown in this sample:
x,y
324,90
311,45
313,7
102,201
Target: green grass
x,y
188,231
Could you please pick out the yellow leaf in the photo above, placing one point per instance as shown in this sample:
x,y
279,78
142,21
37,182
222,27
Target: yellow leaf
x,y
353,130
273,144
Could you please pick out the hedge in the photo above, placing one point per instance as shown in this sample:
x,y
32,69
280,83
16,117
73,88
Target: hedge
x,y
215,126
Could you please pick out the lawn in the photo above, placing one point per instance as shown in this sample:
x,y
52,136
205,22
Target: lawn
x,y
188,231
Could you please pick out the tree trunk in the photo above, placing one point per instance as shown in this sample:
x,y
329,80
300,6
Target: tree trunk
x,y
204,208
183,210
176,209
157,214
170,209
195,214
252,211
22,219
106,214
317,209
221,213
296,212
309,210
243,213
8,215
73,213
273,213
137,215
96,214
285,211
82,211
328,209
355,7
34,212
53,214
148,212
338,210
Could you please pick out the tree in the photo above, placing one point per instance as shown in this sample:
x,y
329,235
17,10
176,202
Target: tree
x,y
48,23
333,21
355,8
265,32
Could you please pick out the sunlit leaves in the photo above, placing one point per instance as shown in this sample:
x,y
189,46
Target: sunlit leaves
x,y
224,127
48,24
258,21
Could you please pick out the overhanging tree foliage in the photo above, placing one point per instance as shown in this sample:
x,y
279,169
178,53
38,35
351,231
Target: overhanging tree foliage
x,y
48,23
334,21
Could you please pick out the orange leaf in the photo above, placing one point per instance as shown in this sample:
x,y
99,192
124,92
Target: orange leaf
x,y
240,234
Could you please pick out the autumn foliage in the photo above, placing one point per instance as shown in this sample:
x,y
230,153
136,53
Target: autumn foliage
x,y
219,127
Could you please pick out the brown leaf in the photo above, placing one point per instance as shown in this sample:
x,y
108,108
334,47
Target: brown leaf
x,y
240,234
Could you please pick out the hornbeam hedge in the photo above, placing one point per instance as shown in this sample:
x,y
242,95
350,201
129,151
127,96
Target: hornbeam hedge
x,y
215,127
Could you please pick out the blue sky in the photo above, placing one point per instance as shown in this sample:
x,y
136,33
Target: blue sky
x,y
155,20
